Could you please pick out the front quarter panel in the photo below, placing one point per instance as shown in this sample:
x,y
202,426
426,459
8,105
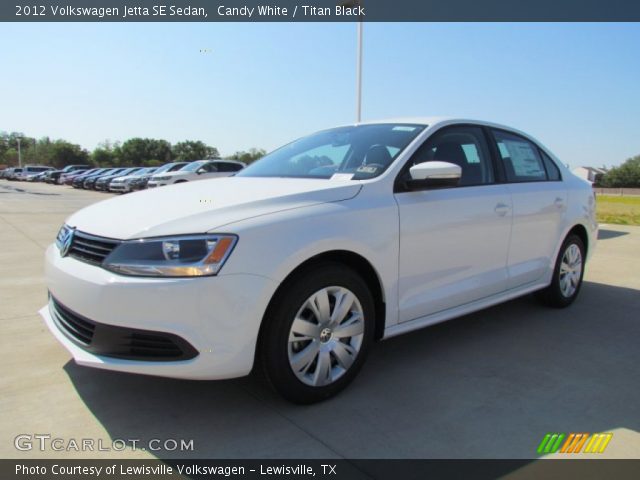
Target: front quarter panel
x,y
275,245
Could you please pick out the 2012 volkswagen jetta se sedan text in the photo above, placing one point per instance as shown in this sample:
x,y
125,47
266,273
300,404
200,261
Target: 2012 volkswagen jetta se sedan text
x,y
302,260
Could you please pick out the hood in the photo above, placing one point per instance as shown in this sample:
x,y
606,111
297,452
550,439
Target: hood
x,y
203,206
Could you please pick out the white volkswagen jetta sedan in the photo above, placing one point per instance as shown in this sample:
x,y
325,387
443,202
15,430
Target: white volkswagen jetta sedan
x,y
302,260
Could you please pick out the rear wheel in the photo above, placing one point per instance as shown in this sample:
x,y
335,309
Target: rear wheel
x,y
318,333
567,274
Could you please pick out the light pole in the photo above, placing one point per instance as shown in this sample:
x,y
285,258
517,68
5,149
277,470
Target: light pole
x,y
19,153
355,4
359,74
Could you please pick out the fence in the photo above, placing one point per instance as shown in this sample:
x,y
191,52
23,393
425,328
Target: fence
x,y
617,191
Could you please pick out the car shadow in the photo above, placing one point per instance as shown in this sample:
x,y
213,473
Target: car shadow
x,y
604,234
487,385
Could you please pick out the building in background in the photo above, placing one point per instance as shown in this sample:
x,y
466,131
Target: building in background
x,y
590,174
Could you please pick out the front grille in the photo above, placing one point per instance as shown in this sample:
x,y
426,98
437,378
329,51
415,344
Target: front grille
x,y
119,342
90,248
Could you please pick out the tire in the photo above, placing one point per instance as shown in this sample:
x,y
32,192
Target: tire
x,y
567,274
320,362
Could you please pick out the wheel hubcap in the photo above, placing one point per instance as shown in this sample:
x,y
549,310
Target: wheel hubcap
x,y
570,270
326,336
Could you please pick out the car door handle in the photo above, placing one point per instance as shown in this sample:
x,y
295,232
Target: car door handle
x,y
502,209
559,202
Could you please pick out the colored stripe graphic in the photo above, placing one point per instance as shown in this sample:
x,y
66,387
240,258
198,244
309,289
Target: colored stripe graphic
x,y
550,443
574,443
598,442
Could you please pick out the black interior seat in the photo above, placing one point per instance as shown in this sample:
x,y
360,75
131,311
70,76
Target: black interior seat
x,y
379,155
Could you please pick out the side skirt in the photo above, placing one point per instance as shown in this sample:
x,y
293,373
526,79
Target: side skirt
x,y
465,309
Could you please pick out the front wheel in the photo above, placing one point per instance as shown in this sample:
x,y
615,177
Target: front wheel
x,y
567,274
318,333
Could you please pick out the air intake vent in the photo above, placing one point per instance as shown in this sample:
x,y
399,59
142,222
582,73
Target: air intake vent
x,y
74,326
119,342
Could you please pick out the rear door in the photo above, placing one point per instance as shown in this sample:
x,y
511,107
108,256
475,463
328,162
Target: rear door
x,y
539,204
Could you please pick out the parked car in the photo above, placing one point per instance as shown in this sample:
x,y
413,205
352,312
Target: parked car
x,y
142,182
103,183
123,184
11,172
68,178
54,176
300,261
30,171
36,177
90,182
78,181
198,170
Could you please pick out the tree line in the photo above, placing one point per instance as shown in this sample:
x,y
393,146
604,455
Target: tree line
x,y
626,175
146,152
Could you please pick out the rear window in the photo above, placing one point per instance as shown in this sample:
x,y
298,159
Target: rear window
x,y
520,157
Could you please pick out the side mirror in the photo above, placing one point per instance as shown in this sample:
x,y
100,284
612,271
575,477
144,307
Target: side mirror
x,y
200,171
434,175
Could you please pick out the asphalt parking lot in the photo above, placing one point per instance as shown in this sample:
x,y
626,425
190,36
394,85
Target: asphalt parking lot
x,y
488,385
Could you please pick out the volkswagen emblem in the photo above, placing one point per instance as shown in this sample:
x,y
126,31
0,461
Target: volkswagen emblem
x,y
66,241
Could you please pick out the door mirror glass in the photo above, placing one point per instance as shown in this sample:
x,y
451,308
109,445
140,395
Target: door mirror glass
x,y
435,174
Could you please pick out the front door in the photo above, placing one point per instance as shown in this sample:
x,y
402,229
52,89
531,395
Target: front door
x,y
453,241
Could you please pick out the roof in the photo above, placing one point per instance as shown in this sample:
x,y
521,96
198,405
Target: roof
x,y
438,120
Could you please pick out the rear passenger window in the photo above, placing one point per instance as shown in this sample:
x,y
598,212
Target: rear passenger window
x,y
521,159
553,172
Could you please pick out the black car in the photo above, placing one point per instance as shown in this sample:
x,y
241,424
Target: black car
x,y
90,183
54,176
103,182
78,182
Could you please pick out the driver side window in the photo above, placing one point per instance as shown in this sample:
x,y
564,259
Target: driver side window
x,y
463,146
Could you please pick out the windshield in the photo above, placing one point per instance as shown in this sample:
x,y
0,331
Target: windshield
x,y
193,166
359,152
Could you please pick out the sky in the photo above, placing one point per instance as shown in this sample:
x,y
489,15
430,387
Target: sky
x,y
573,86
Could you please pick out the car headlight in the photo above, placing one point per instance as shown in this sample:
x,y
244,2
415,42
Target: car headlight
x,y
184,256
155,179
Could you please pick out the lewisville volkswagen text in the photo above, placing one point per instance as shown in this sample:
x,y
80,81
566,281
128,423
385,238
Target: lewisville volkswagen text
x,y
304,258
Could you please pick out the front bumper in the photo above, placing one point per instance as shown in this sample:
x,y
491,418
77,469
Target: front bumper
x,y
118,187
219,316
